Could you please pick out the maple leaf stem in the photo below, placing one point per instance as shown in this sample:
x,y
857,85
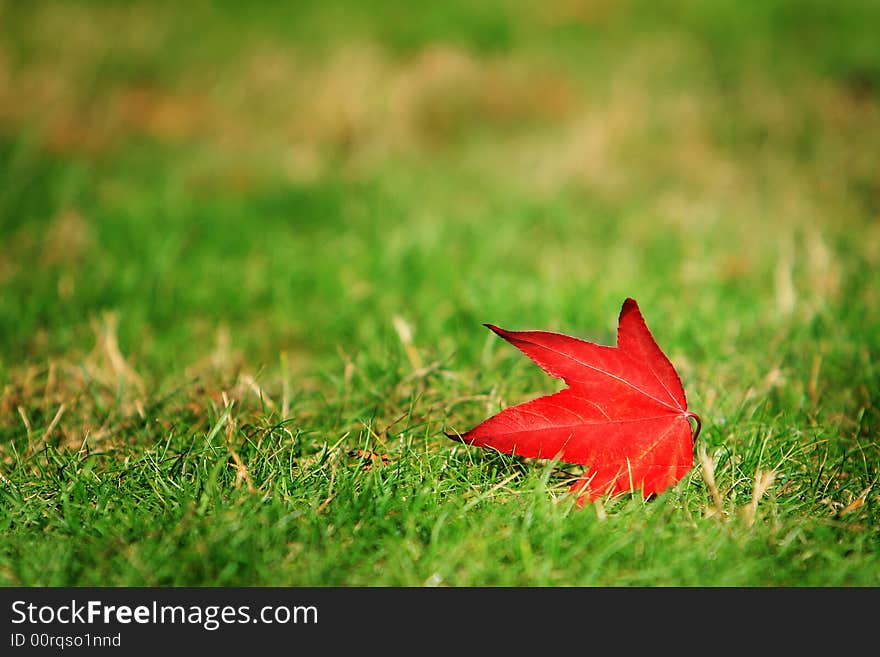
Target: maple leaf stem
x,y
691,415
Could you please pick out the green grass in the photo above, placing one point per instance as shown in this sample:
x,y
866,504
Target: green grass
x,y
243,280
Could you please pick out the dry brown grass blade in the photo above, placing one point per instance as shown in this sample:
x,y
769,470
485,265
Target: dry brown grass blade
x,y
763,481
27,426
107,345
34,448
707,464
242,474
404,332
856,503
249,382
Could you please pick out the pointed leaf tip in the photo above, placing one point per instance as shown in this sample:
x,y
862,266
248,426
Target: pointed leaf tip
x,y
629,305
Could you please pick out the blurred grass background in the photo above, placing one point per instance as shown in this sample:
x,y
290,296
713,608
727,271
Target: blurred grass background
x,y
311,208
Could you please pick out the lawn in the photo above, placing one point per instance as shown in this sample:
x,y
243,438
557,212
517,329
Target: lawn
x,y
247,251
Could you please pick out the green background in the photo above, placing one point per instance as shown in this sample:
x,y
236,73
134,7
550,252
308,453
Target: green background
x,y
247,249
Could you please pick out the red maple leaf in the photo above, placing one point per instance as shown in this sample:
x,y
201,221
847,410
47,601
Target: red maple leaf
x,y
624,413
